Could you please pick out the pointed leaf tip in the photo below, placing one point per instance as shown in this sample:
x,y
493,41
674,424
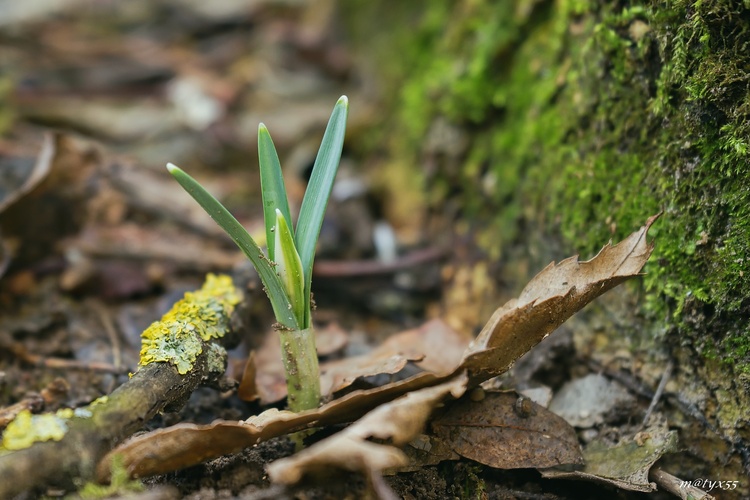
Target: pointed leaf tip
x,y
319,188
272,187
172,168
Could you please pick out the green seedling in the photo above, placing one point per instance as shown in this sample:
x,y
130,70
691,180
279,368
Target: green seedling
x,y
286,271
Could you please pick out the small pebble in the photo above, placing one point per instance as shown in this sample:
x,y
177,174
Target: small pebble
x,y
477,394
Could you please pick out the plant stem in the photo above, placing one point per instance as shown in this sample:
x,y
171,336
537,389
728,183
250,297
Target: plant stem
x,y
302,372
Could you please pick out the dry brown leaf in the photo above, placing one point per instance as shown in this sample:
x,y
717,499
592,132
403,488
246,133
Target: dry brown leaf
x,y
44,203
248,388
549,299
268,370
397,422
426,450
342,373
132,241
183,445
508,432
441,346
330,339
435,347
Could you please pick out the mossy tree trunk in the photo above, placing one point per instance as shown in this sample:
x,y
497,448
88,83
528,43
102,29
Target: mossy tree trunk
x,y
581,119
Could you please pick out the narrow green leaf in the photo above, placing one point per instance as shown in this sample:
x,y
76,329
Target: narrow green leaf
x,y
289,266
319,190
274,288
272,186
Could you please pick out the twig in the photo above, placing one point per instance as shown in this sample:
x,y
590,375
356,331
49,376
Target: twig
x,y
33,402
355,268
20,352
659,391
92,430
49,396
677,486
109,328
60,463
639,388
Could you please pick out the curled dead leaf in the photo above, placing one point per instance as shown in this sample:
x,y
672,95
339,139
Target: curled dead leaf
x,y
397,423
434,347
184,445
18,176
248,389
342,373
439,346
550,298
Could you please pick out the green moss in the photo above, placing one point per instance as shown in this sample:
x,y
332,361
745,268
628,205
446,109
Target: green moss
x,y
585,118
120,483
199,317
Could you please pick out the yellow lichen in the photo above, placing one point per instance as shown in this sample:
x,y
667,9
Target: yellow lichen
x,y
99,401
204,312
27,429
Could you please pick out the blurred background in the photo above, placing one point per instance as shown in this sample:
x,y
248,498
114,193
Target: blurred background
x,y
485,139
98,240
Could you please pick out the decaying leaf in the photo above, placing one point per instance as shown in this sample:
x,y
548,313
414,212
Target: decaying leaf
x,y
550,298
183,445
506,431
166,244
426,450
337,375
248,388
264,377
397,423
434,346
330,339
625,465
57,191
440,345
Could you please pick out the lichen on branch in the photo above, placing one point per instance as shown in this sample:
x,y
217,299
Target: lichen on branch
x,y
180,352
205,312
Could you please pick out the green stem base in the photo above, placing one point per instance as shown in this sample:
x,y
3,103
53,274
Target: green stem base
x,y
302,371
